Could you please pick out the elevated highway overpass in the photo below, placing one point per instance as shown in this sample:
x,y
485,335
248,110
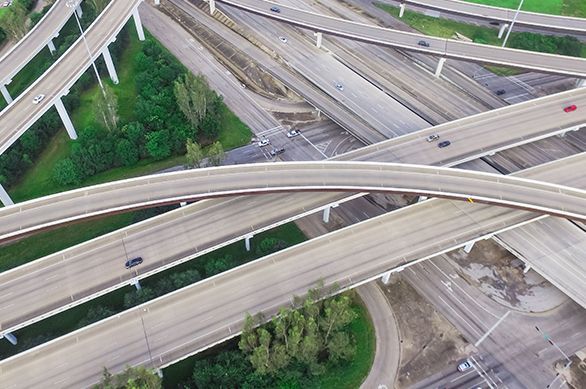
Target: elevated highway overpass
x,y
506,15
32,43
445,48
164,330
100,270
263,178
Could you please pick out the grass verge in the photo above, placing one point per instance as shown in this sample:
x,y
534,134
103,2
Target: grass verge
x,y
553,7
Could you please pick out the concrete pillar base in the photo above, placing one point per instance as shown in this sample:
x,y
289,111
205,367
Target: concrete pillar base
x,y
580,83
138,24
440,65
65,119
318,39
401,9
6,94
136,284
527,268
157,2
5,197
11,338
79,11
386,277
183,203
468,247
421,198
110,65
51,47
247,242
502,30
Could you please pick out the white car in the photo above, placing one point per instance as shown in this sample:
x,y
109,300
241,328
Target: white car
x,y
293,133
464,366
283,39
38,99
339,86
264,142
432,137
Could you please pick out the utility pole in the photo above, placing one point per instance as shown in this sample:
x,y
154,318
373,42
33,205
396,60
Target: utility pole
x,y
512,23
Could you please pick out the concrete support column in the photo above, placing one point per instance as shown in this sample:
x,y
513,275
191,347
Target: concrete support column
x,y
386,277
468,247
183,203
11,338
79,11
159,371
580,83
318,39
527,268
502,30
440,65
326,217
421,198
138,24
401,9
52,47
5,93
136,284
318,112
110,65
247,242
212,6
5,197
65,119
157,2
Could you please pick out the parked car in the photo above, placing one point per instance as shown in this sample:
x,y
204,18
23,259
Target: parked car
x,y
464,366
275,152
38,99
293,133
423,43
443,144
283,39
276,9
264,142
570,108
133,262
339,86
432,137
500,92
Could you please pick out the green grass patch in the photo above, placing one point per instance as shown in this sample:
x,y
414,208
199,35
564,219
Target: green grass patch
x,y
553,7
233,132
503,71
351,375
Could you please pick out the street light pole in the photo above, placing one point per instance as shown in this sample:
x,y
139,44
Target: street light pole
x,y
512,23
73,4
550,341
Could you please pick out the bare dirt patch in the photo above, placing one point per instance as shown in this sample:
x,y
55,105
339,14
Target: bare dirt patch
x,y
429,343
575,375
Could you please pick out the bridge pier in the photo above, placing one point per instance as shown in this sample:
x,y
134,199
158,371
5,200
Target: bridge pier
x,y
468,247
11,338
136,284
5,93
5,197
580,83
526,268
247,242
157,2
318,39
421,198
65,119
183,203
386,277
401,9
212,6
440,65
110,65
79,11
502,30
51,47
138,24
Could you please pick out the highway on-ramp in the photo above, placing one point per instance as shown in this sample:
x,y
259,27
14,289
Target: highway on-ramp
x,y
174,326
55,82
262,178
548,63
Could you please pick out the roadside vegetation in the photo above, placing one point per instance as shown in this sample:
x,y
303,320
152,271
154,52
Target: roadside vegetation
x,y
554,7
319,344
131,378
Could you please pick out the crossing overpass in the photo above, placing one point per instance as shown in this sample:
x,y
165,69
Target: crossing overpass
x,y
446,48
348,257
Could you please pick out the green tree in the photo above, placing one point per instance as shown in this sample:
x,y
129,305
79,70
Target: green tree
x,y
194,154
193,96
158,145
216,154
14,21
126,153
106,108
65,173
340,347
99,5
337,314
131,378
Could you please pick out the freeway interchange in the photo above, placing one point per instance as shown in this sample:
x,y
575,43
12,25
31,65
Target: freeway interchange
x,y
271,281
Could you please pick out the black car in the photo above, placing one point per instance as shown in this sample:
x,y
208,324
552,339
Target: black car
x,y
277,151
500,92
423,43
276,9
133,262
443,144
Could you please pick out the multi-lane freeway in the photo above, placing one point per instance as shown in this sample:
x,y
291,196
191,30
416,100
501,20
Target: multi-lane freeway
x,y
449,48
191,319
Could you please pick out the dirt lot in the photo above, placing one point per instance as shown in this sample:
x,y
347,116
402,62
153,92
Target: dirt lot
x,y
499,275
429,343
575,375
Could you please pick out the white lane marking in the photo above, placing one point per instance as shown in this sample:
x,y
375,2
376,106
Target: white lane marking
x,y
308,141
459,316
